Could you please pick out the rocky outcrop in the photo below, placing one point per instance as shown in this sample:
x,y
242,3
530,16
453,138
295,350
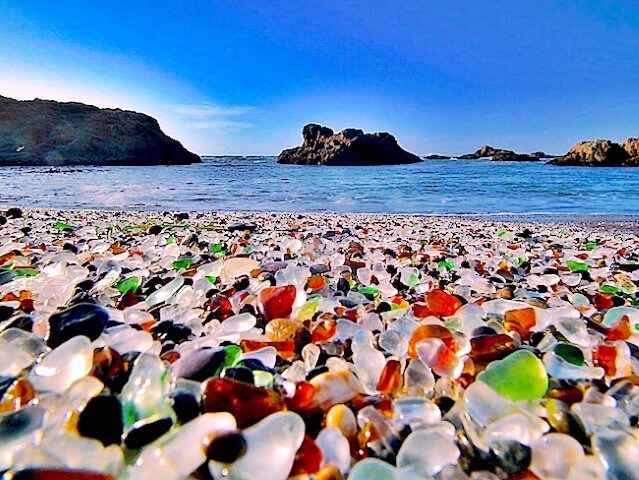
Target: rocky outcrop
x,y
631,146
437,157
350,147
501,155
44,132
596,153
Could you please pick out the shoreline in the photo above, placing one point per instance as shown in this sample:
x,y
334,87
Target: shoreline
x,y
628,222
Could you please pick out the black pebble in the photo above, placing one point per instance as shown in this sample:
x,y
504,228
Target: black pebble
x,y
145,434
3,219
166,331
102,419
81,319
185,405
6,276
241,227
241,374
23,322
199,364
14,212
226,448
5,383
5,312
155,229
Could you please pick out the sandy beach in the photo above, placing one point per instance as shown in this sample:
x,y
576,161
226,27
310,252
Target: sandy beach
x,y
344,343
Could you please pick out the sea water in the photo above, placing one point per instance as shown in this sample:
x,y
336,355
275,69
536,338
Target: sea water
x,y
443,187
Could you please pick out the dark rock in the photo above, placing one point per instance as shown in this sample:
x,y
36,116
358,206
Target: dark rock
x,y
510,156
185,406
81,319
13,212
3,220
166,331
147,432
5,383
350,147
155,229
102,419
631,146
226,448
23,322
595,153
44,132
241,374
319,268
437,157
6,276
5,312
501,155
199,364
182,216
241,227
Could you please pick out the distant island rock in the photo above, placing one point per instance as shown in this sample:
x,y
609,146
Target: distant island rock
x,y
350,147
46,132
601,153
437,157
501,155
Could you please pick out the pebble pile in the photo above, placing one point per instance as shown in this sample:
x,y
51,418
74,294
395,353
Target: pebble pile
x,y
273,346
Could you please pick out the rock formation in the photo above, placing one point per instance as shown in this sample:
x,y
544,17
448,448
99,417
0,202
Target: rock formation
x,y
350,147
598,153
45,132
501,155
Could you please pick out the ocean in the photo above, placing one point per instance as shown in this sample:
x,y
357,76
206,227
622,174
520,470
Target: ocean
x,y
438,187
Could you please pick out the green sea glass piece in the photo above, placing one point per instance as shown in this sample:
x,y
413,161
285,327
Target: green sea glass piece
x,y
519,376
575,266
369,291
445,264
128,284
182,264
570,353
610,289
63,227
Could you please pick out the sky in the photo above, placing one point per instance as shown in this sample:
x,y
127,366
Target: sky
x,y
240,77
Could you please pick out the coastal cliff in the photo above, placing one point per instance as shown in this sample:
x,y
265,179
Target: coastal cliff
x,y
45,132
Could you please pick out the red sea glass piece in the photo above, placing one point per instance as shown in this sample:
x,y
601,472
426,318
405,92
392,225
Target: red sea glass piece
x,y
247,403
604,356
308,458
323,331
277,302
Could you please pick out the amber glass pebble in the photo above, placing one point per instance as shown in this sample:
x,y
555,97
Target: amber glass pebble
x,y
431,331
442,303
486,348
390,380
520,321
17,395
247,403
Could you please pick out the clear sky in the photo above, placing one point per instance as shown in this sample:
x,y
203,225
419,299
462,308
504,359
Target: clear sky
x,y
244,77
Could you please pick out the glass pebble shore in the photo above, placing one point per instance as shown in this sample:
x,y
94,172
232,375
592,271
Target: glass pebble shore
x,y
138,345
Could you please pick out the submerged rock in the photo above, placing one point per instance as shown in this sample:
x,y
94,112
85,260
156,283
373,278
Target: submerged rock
x,y
350,147
45,132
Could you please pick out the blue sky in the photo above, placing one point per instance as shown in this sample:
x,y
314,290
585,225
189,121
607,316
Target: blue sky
x,y
244,77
